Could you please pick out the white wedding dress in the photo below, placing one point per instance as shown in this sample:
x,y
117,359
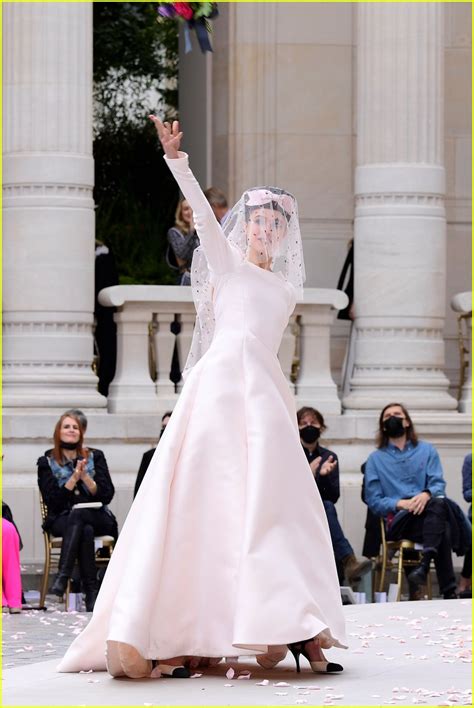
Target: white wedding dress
x,y
226,548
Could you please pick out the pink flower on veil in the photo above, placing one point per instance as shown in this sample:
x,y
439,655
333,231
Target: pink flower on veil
x,y
257,197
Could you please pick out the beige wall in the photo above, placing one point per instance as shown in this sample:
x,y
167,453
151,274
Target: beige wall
x,y
283,99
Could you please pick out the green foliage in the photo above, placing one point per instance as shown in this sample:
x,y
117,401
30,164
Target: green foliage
x,y
135,73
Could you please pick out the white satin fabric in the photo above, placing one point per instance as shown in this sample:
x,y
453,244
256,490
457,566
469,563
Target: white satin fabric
x,y
226,549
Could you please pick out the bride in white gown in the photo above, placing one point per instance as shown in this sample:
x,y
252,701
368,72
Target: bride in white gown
x,y
226,548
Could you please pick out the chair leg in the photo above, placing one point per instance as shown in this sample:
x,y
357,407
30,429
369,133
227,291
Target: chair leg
x,y
66,595
47,564
383,568
400,573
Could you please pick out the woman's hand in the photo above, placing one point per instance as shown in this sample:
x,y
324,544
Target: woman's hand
x,y
328,466
169,135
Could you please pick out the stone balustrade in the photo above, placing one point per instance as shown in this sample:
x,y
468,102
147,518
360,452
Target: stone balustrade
x,y
145,346
462,304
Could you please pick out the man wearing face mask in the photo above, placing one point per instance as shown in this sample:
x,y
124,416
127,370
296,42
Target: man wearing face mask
x,y
404,484
147,456
325,468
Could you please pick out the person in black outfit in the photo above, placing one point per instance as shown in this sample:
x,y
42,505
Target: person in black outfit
x,y
325,468
70,474
346,283
105,333
147,457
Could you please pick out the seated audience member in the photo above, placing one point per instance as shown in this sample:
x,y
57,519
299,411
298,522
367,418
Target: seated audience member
x,y
11,571
182,242
147,456
218,202
325,468
68,475
465,581
404,484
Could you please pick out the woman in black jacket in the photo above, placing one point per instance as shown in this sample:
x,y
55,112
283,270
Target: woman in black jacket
x,y
75,484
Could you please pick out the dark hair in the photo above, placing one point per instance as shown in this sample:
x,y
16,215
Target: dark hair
x,y
312,411
382,437
166,415
57,452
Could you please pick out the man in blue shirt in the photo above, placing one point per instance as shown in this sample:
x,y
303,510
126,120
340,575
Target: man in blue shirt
x,y
404,484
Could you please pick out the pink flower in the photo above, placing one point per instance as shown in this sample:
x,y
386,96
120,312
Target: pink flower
x,y
184,9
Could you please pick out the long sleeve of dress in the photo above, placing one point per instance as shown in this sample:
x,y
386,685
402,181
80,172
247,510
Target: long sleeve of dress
x,y
218,251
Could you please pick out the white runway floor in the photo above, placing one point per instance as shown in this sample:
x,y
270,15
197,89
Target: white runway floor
x,y
400,654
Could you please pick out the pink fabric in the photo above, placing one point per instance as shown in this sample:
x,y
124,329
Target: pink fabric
x,y
226,549
11,576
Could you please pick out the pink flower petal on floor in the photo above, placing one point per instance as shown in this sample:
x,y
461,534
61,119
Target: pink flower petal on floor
x,y
281,684
86,672
196,676
230,673
301,700
228,685
265,682
281,693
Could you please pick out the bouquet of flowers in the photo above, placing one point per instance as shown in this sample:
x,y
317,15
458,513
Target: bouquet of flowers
x,y
195,15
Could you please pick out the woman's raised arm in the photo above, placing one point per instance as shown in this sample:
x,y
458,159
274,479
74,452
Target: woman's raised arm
x,y
218,251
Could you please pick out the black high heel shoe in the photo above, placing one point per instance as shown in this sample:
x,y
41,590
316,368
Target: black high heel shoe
x,y
171,671
318,667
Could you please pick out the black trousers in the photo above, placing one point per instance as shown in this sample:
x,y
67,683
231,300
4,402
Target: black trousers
x,y
78,529
431,529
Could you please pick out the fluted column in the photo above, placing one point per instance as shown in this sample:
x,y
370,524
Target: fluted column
x,y
400,226
48,175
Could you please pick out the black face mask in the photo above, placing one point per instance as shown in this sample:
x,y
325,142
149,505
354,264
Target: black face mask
x,y
68,445
310,434
393,426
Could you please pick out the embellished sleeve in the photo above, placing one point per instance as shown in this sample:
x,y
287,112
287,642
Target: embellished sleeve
x,y
220,255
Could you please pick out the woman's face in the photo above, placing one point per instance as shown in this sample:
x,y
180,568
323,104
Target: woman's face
x,y
309,419
186,212
70,431
396,411
266,228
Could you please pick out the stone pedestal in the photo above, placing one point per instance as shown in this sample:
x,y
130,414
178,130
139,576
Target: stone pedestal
x,y
48,234
400,226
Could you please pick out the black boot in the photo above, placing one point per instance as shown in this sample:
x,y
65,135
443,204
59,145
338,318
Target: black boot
x,y
88,568
69,549
419,576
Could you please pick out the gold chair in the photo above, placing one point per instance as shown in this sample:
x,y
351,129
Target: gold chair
x,y
394,557
52,552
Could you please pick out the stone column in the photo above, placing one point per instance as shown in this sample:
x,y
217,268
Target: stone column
x,y
48,174
400,226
